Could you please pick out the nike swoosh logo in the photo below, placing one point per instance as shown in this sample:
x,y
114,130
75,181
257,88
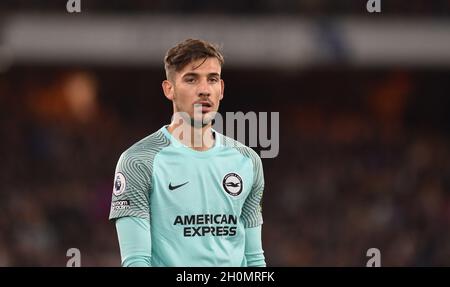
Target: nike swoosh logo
x,y
172,187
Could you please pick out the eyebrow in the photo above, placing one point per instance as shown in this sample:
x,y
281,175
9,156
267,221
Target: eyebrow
x,y
193,74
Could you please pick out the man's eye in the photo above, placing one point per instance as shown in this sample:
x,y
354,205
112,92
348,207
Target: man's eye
x,y
214,80
189,80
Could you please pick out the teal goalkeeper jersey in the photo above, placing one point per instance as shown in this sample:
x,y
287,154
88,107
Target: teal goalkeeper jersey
x,y
198,202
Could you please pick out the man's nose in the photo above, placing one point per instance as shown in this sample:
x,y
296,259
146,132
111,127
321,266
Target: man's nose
x,y
203,89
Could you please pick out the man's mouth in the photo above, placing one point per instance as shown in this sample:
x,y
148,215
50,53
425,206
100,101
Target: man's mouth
x,y
205,106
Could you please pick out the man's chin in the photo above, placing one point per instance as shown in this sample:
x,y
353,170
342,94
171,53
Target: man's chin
x,y
202,122
204,119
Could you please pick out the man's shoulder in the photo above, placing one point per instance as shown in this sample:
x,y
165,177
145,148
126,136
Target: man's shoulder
x,y
246,151
147,147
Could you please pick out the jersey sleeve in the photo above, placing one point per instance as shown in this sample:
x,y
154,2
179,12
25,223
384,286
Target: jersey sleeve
x,y
252,208
134,241
254,253
131,188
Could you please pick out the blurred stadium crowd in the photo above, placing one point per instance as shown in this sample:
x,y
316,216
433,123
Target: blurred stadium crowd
x,y
364,161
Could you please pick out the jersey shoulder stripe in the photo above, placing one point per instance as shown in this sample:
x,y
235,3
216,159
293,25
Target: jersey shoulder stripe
x,y
251,211
133,177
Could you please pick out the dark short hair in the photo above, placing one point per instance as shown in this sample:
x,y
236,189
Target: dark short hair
x,y
187,51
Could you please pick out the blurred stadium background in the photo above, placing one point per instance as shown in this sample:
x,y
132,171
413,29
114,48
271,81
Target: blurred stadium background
x,y
363,99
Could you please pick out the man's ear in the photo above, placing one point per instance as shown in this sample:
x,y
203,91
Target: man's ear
x,y
222,83
168,89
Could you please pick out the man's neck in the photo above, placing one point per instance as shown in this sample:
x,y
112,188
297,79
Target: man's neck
x,y
197,138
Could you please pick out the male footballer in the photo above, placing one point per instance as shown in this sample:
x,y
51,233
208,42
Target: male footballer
x,y
187,195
